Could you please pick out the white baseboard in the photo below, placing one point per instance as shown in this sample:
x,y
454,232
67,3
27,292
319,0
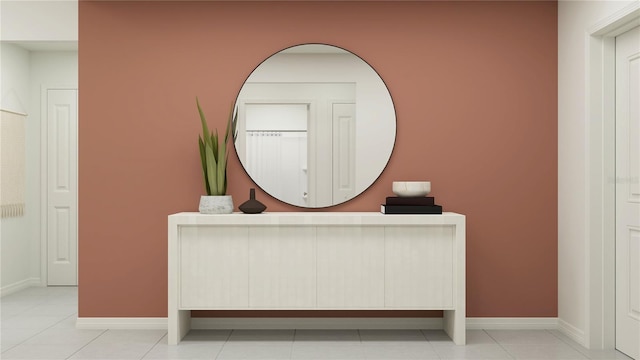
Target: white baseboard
x,y
572,332
316,323
512,323
121,323
20,285
319,323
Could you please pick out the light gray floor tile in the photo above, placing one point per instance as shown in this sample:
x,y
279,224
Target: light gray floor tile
x,y
35,293
20,298
532,337
338,336
604,354
130,337
48,352
121,344
6,346
261,335
550,351
16,296
43,291
193,350
564,338
31,322
64,336
475,337
435,336
54,309
392,335
327,351
17,336
114,350
205,335
11,309
40,323
68,323
398,350
610,354
471,351
249,351
62,297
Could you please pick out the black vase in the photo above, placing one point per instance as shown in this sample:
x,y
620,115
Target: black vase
x,y
252,206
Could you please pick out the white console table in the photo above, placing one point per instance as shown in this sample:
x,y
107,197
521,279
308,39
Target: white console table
x,y
316,260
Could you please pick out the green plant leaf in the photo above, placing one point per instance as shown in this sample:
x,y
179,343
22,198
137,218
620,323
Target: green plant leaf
x,y
203,159
214,144
213,153
225,183
222,166
203,120
211,170
225,175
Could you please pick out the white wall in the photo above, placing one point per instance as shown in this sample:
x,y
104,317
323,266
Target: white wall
x,y
15,245
575,197
14,78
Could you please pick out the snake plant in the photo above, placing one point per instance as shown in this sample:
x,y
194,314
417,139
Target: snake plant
x,y
214,154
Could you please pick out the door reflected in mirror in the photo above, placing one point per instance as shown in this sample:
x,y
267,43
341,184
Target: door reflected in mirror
x,y
316,125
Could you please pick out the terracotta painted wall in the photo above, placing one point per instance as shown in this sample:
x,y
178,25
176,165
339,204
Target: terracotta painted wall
x,y
474,86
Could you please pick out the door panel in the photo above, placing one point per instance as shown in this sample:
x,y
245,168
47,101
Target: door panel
x,y
62,184
282,267
628,193
217,257
350,267
344,152
419,267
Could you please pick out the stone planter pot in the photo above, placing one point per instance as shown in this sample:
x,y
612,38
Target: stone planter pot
x,y
220,204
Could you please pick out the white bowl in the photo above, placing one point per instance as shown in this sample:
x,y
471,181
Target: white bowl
x,y
411,188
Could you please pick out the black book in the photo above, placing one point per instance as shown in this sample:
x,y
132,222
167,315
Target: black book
x,y
411,209
413,200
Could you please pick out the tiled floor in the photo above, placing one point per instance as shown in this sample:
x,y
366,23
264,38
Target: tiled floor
x,y
39,323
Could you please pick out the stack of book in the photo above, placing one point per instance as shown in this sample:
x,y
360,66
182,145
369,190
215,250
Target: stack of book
x,y
410,205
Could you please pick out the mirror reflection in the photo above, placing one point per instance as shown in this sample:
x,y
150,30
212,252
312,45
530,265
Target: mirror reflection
x,y
316,125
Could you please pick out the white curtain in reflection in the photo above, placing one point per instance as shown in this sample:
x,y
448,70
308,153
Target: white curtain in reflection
x,y
277,162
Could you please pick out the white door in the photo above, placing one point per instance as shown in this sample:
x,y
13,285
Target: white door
x,y
628,193
62,185
344,152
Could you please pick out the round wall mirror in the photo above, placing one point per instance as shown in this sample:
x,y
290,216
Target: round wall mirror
x,y
316,125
